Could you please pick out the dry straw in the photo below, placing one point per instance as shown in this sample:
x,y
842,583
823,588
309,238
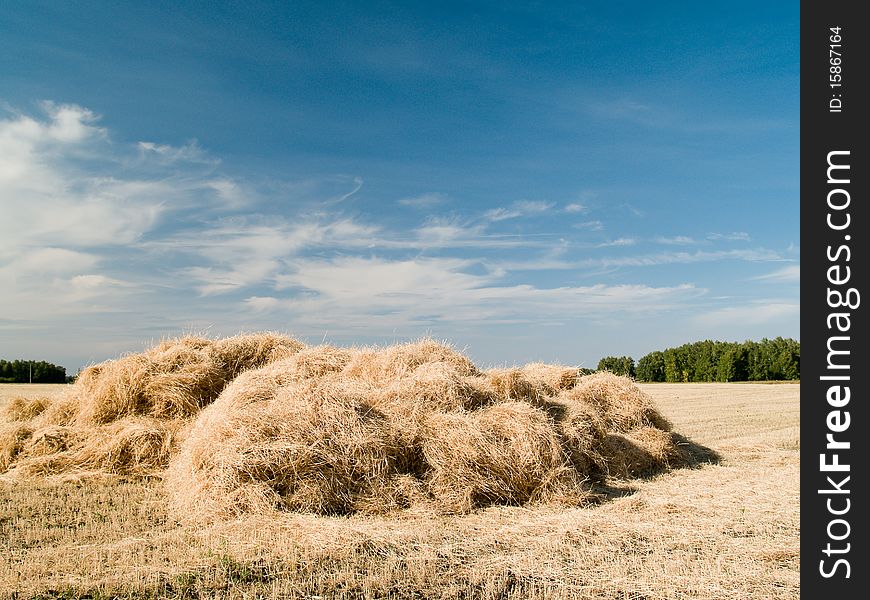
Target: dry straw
x,y
411,425
124,416
174,379
261,423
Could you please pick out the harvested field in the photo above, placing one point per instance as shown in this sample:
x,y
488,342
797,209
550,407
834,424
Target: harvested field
x,y
718,531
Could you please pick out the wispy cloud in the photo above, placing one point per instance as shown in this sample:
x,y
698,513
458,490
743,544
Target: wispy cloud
x,y
343,290
166,154
734,236
522,208
80,211
632,210
594,225
357,186
755,313
629,109
666,258
678,240
242,252
618,242
147,237
447,233
62,185
789,274
427,200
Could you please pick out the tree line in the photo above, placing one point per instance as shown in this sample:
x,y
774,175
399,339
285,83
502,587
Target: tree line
x,y
27,371
767,360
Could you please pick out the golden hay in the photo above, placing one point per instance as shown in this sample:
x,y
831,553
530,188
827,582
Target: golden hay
x,y
643,451
581,427
311,446
623,405
13,439
333,431
436,386
387,364
60,410
242,352
139,446
505,454
261,423
513,384
48,440
315,362
555,377
24,409
175,378
124,414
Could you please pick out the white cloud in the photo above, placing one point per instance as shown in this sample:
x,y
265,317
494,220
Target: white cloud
x,y
357,186
99,235
381,292
166,154
443,233
47,201
231,194
589,225
523,208
626,109
789,274
240,252
618,242
263,303
734,236
47,260
90,285
666,258
422,201
762,312
678,240
70,123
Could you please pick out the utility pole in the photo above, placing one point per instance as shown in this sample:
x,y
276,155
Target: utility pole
x,y
30,371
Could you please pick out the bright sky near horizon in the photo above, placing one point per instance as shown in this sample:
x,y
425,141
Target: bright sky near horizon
x,y
554,181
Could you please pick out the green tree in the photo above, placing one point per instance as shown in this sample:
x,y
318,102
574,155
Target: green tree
x,y
26,371
651,367
733,364
619,365
708,360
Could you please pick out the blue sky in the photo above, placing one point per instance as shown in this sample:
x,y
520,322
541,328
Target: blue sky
x,y
530,181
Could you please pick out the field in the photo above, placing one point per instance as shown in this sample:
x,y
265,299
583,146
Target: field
x,y
726,530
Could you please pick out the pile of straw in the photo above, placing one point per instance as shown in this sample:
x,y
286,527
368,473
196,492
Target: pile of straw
x,y
125,416
411,425
261,423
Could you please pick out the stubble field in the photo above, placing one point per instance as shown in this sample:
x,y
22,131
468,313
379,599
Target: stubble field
x,y
726,530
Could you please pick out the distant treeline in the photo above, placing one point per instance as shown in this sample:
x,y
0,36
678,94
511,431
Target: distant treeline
x,y
767,360
26,371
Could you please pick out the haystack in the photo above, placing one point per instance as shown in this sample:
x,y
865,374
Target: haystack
x,y
24,409
387,364
174,379
132,446
555,377
262,423
509,453
13,439
123,416
416,424
314,446
622,404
